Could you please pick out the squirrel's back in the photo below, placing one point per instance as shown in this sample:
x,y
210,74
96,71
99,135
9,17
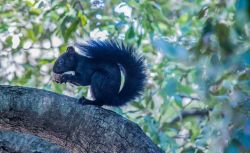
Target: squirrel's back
x,y
115,52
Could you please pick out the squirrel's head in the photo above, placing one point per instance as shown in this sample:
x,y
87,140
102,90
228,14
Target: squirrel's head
x,y
65,62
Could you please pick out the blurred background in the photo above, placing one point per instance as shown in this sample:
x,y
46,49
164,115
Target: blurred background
x,y
197,53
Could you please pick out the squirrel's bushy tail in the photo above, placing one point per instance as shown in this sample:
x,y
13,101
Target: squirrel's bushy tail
x,y
115,52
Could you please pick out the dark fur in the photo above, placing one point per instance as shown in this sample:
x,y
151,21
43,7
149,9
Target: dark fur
x,y
99,68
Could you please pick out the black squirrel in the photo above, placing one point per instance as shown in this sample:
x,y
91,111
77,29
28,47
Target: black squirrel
x,y
101,64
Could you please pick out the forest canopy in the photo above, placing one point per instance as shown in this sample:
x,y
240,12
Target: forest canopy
x,y
197,52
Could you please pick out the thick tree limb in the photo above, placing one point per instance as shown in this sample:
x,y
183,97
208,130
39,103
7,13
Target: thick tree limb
x,y
20,142
61,123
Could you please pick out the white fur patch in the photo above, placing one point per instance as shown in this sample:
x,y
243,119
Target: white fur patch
x,y
70,72
123,76
80,52
90,95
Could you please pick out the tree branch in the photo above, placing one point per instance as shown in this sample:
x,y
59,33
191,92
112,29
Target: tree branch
x,y
190,113
61,121
20,142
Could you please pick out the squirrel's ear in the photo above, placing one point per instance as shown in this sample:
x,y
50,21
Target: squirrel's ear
x,y
70,49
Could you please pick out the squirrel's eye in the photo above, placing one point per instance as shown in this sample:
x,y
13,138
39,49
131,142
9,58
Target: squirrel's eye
x,y
60,62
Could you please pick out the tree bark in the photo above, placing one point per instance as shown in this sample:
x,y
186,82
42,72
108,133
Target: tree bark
x,y
38,121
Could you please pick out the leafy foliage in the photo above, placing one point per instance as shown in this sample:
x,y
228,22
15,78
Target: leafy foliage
x,y
198,57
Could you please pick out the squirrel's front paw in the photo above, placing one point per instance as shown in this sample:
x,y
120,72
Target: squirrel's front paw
x,y
63,79
58,78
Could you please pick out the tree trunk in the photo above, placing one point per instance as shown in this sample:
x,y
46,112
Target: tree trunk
x,y
38,121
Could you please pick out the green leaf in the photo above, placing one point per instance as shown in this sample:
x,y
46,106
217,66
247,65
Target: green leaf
x,y
130,34
178,100
183,19
30,3
133,3
138,105
72,23
9,41
195,131
3,27
45,61
68,7
83,18
35,11
38,29
57,87
63,48
25,78
185,89
31,35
